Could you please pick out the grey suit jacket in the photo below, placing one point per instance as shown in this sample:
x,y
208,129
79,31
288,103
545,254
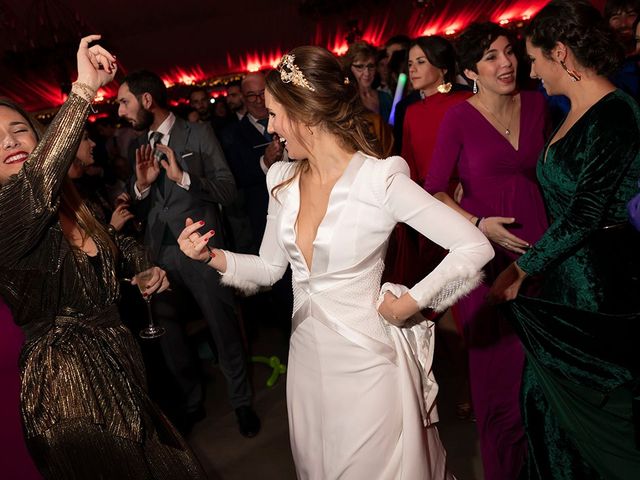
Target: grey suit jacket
x,y
200,155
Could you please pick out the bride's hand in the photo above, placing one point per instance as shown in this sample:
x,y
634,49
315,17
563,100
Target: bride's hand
x,y
194,245
96,66
386,309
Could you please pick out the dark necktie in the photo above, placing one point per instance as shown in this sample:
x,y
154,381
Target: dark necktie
x,y
155,138
153,141
265,122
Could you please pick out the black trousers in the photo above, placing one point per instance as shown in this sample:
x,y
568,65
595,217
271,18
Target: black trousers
x,y
193,281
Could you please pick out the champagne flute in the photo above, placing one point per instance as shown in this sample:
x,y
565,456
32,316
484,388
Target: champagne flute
x,y
143,277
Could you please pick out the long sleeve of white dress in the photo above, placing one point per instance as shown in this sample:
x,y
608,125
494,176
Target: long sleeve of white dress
x,y
469,250
250,272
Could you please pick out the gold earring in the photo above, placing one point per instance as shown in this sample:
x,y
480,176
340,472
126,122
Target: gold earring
x,y
444,87
575,76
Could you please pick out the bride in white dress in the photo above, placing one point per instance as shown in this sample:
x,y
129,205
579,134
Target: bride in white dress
x,y
360,392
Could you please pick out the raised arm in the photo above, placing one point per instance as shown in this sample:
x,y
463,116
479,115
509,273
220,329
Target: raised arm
x,y
31,198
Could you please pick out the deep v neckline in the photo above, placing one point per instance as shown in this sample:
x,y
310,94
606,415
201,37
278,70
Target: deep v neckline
x,y
554,141
335,202
492,127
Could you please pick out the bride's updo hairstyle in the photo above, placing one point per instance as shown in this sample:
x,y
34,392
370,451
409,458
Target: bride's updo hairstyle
x,y
312,87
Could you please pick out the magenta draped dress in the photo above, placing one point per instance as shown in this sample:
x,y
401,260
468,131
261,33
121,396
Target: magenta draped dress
x,y
15,462
498,181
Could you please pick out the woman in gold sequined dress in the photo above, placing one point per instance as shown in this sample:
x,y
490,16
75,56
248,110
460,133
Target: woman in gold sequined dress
x,y
84,407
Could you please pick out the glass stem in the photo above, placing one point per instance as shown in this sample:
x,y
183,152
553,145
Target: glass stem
x,y
149,314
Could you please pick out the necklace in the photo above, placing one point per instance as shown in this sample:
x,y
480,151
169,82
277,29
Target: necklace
x,y
507,128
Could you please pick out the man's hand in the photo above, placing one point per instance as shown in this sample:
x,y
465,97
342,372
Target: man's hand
x,y
273,152
147,168
171,166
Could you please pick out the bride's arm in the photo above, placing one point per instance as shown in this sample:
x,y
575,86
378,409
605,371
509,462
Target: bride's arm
x,y
469,250
245,272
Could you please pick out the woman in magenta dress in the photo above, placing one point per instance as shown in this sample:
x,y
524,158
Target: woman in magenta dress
x,y
493,141
15,462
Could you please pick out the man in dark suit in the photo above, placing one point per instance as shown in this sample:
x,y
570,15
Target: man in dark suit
x,y
250,151
181,172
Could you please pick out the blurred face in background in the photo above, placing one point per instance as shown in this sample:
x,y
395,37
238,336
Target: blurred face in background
x,y
253,95
234,98
199,101
17,141
383,64
364,70
424,76
84,154
84,157
622,22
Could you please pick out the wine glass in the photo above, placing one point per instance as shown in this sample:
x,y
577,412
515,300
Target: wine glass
x,y
144,275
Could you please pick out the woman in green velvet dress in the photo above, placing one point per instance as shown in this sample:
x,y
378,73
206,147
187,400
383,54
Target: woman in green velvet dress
x,y
581,385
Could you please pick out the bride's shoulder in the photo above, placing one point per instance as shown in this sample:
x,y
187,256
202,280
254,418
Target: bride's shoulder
x,y
384,167
382,171
279,172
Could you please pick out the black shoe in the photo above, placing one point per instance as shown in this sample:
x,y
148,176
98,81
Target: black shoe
x,y
248,421
185,422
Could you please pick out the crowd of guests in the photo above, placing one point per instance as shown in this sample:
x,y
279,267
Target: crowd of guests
x,y
540,172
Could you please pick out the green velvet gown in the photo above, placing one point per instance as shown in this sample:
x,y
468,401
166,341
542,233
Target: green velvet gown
x,y
581,383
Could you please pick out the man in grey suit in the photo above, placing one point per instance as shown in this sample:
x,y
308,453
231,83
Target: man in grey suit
x,y
181,172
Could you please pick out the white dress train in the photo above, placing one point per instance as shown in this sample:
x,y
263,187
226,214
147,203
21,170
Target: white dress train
x,y
360,392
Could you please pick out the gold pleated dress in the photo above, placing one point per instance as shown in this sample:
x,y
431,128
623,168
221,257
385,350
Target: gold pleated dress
x,y
85,409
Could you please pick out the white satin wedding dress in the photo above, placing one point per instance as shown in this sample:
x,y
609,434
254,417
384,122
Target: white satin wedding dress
x,y
360,392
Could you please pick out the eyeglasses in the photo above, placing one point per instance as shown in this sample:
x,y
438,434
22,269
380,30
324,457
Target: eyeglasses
x,y
361,66
253,97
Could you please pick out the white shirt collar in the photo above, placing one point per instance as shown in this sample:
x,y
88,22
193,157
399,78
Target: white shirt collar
x,y
164,128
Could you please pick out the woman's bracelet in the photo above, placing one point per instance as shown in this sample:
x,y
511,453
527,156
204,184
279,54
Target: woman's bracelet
x,y
206,261
111,230
83,90
478,221
482,227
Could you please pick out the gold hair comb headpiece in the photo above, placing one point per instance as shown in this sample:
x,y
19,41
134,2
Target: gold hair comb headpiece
x,y
290,73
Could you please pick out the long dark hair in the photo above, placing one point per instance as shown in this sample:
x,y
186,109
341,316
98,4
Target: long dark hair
x,y
71,204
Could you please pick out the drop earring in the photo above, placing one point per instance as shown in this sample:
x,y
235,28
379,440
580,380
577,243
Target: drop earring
x,y
475,86
575,76
444,87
